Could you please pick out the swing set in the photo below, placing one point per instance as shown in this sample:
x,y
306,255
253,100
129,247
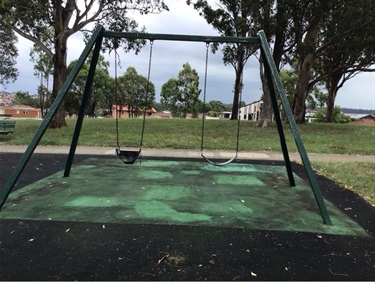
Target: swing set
x,y
130,156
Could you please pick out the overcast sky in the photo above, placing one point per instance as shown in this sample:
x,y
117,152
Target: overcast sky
x,y
169,56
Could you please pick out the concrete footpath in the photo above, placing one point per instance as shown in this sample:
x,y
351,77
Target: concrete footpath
x,y
182,153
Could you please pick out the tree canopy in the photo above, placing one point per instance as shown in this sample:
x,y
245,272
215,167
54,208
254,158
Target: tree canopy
x,y
135,91
32,19
181,95
231,18
8,54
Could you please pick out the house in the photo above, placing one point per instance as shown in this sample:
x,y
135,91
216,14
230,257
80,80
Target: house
x,y
127,112
363,119
225,115
21,111
251,111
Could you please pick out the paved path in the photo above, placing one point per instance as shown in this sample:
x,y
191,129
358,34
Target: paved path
x,y
190,153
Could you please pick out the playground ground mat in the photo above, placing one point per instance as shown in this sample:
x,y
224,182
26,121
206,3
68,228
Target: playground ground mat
x,y
179,219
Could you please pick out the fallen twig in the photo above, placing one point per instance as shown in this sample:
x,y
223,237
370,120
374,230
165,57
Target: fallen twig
x,y
337,274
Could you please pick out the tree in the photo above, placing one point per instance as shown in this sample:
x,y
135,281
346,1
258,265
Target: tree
x,y
181,95
274,18
316,96
338,115
345,59
170,97
135,91
24,98
188,84
43,68
32,18
345,18
231,18
8,54
101,91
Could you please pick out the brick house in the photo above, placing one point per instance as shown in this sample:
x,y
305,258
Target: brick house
x,y
21,111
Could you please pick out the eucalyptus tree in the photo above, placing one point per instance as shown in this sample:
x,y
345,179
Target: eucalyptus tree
x,y
181,95
346,58
101,91
231,18
8,54
32,18
170,97
329,32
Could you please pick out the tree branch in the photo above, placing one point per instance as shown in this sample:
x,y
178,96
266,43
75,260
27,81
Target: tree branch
x,y
39,43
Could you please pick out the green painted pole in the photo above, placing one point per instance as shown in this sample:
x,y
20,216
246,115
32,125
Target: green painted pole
x,y
85,98
181,37
279,124
4,193
293,126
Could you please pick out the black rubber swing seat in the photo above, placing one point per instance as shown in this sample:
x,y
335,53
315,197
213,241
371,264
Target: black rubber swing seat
x,y
219,163
128,157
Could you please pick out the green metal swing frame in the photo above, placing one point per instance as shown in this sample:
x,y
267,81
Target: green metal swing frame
x,y
273,80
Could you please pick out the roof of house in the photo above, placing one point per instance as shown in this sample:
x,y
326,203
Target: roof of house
x,y
20,107
126,108
361,116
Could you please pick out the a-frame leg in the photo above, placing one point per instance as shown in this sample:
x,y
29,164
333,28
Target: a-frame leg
x,y
4,193
279,124
85,98
268,60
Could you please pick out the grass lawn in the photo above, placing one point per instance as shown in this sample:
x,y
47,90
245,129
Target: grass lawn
x,y
186,134
221,135
356,176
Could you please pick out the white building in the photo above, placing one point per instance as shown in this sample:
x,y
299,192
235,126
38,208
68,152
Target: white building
x,y
251,111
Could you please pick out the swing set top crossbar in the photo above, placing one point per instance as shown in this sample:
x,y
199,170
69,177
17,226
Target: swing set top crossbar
x,y
181,37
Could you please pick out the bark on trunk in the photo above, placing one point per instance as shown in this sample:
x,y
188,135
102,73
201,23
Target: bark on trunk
x,y
330,105
302,87
305,63
278,50
62,17
332,84
59,76
266,111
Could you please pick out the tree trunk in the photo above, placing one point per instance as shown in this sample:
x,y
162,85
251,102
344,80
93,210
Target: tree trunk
x,y
59,76
266,111
305,64
61,22
238,82
278,50
332,87
302,87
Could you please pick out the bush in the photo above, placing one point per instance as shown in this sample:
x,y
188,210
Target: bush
x,y
338,115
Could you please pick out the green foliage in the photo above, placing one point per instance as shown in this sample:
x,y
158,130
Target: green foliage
x,y
338,115
101,97
216,106
34,19
181,95
24,98
8,54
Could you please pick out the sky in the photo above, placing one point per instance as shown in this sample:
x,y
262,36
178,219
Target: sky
x,y
169,56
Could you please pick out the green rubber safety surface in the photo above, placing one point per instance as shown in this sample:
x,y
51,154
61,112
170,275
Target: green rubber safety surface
x,y
177,193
